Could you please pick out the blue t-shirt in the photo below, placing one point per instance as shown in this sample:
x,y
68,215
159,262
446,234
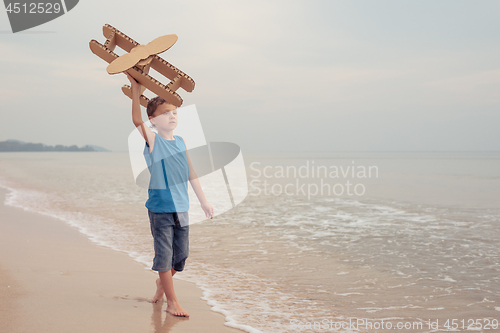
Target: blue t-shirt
x,y
169,169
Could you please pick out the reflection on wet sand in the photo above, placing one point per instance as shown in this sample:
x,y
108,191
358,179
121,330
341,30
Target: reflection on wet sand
x,y
163,325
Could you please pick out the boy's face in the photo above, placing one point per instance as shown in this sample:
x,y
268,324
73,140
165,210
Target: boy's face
x,y
165,116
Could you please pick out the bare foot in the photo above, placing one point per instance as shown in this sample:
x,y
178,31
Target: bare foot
x,y
159,292
176,309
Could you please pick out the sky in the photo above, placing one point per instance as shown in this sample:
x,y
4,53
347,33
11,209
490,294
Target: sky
x,y
270,75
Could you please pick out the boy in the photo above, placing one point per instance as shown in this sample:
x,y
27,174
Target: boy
x,y
168,201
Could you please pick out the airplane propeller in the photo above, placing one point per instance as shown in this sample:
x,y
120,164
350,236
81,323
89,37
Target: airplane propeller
x,y
140,53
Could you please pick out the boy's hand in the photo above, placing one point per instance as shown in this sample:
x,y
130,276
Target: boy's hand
x,y
136,86
208,209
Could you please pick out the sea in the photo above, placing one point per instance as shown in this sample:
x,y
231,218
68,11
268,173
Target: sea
x,y
323,241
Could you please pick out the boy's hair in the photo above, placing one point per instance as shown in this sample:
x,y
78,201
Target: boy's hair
x,y
153,104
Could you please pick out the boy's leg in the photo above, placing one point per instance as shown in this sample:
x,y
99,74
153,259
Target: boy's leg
x,y
159,289
180,243
173,305
162,229
180,248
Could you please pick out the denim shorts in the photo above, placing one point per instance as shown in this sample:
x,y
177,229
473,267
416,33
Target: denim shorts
x,y
171,240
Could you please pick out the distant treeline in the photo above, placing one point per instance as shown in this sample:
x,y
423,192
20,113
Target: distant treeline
x,y
15,145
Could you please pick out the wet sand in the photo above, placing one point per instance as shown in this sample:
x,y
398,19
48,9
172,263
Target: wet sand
x,y
53,279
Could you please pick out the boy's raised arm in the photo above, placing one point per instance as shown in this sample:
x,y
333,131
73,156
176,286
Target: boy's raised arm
x,y
136,112
136,105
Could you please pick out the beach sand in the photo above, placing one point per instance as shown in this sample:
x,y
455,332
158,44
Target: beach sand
x,y
53,279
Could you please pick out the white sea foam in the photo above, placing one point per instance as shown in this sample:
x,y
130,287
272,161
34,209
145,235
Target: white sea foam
x,y
96,228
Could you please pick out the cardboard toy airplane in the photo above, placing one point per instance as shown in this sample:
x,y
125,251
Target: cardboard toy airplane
x,y
138,61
